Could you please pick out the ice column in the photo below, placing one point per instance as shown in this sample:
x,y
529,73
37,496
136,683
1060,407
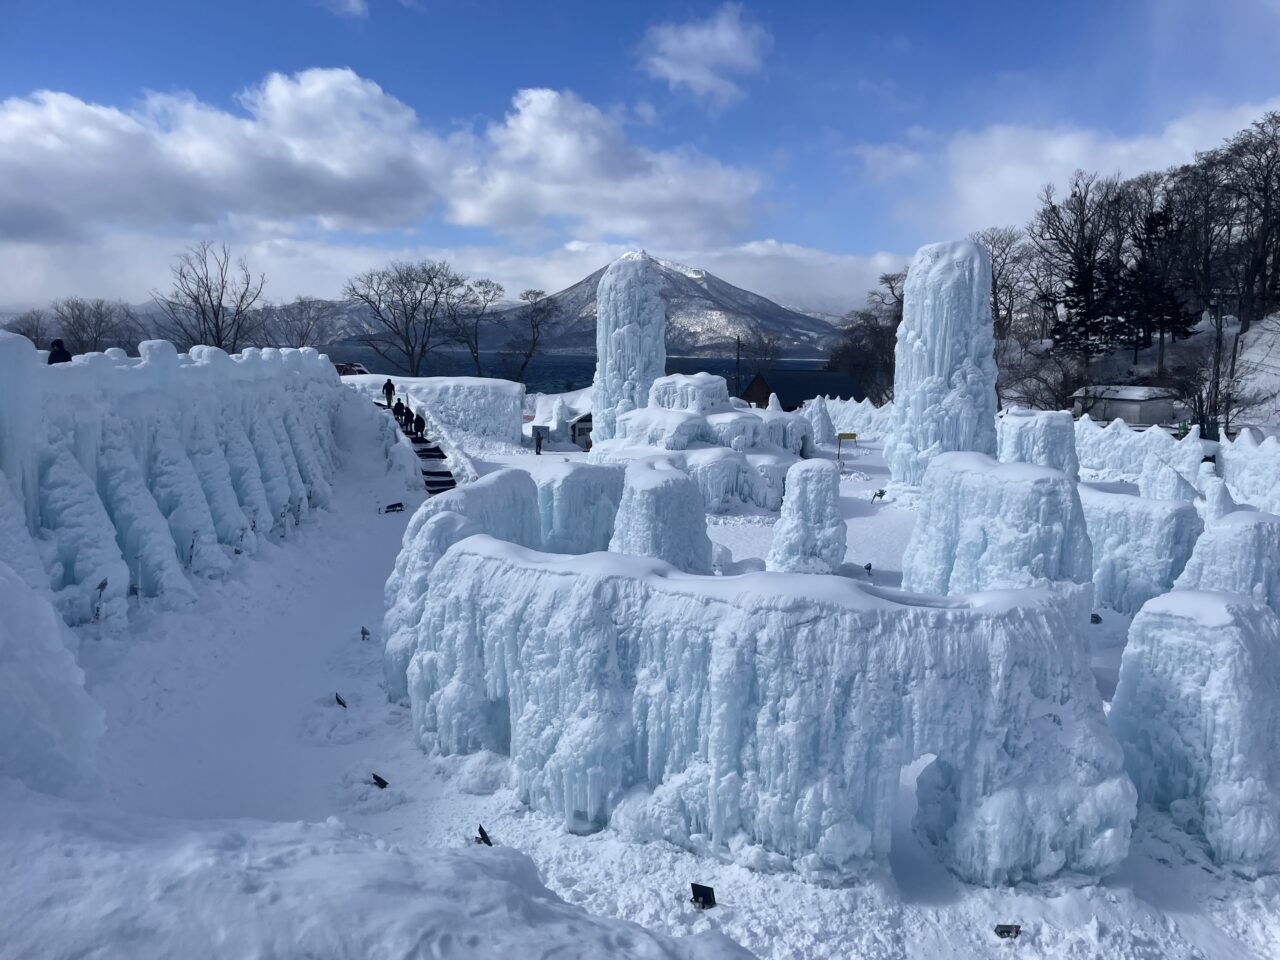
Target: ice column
x,y
1044,437
810,535
631,327
1197,711
944,380
661,515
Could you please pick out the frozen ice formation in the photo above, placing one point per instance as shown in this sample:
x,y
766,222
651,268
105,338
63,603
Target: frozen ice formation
x,y
576,504
472,406
861,417
125,475
49,726
1140,546
985,525
631,352
1044,437
503,504
661,515
1197,711
771,714
819,418
1217,501
1117,452
696,393
1250,468
1161,480
945,371
1238,553
809,536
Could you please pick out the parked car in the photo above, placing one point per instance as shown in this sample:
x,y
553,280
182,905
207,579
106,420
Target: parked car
x,y
349,369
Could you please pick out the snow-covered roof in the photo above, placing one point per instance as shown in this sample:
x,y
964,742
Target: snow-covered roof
x,y
1125,393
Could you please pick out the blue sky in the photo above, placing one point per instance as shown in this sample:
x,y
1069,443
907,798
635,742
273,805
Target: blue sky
x,y
796,149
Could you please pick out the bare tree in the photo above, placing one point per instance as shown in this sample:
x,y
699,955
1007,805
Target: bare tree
x,y
467,315
759,347
303,322
88,326
403,305
34,325
528,327
887,298
865,352
212,300
1009,252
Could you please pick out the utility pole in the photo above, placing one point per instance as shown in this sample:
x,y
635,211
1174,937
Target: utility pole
x,y
737,367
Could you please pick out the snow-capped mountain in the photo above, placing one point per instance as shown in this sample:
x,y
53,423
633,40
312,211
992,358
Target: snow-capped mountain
x,y
704,315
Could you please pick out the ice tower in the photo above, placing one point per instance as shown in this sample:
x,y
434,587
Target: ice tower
x,y
631,352
945,371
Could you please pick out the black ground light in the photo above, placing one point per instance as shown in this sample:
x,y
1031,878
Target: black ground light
x,y
1008,931
704,897
483,837
379,782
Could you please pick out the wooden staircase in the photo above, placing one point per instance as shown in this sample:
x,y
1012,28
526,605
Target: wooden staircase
x,y
435,475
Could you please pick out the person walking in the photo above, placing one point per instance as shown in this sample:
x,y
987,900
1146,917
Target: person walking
x,y
58,353
419,425
398,412
388,390
537,442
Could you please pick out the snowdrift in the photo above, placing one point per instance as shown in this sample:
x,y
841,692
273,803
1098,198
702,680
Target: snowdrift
x,y
123,475
1197,710
770,714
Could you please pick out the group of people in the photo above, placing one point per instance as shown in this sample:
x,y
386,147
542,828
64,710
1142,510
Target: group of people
x,y
413,423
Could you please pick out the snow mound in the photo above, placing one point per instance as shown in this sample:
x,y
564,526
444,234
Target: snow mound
x,y
661,515
503,504
1043,437
631,327
1140,546
1197,710
945,370
984,525
577,503
154,889
49,726
809,537
774,711
1239,553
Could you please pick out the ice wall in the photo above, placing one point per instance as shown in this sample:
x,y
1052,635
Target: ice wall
x,y
631,326
1140,546
476,406
661,515
1197,710
809,536
126,475
49,726
1161,480
1239,553
1250,468
984,525
1043,437
945,371
726,478
771,714
861,417
577,503
503,504
1117,452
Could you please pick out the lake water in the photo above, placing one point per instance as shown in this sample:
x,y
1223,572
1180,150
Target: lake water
x,y
554,373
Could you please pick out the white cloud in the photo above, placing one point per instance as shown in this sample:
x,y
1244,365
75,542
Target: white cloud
x,y
993,176
884,162
703,56
330,150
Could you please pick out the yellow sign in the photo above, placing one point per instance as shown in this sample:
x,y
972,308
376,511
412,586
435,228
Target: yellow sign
x,y
846,436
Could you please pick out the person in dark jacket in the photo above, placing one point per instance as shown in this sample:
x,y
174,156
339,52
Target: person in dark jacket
x,y
419,425
398,411
58,353
388,390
